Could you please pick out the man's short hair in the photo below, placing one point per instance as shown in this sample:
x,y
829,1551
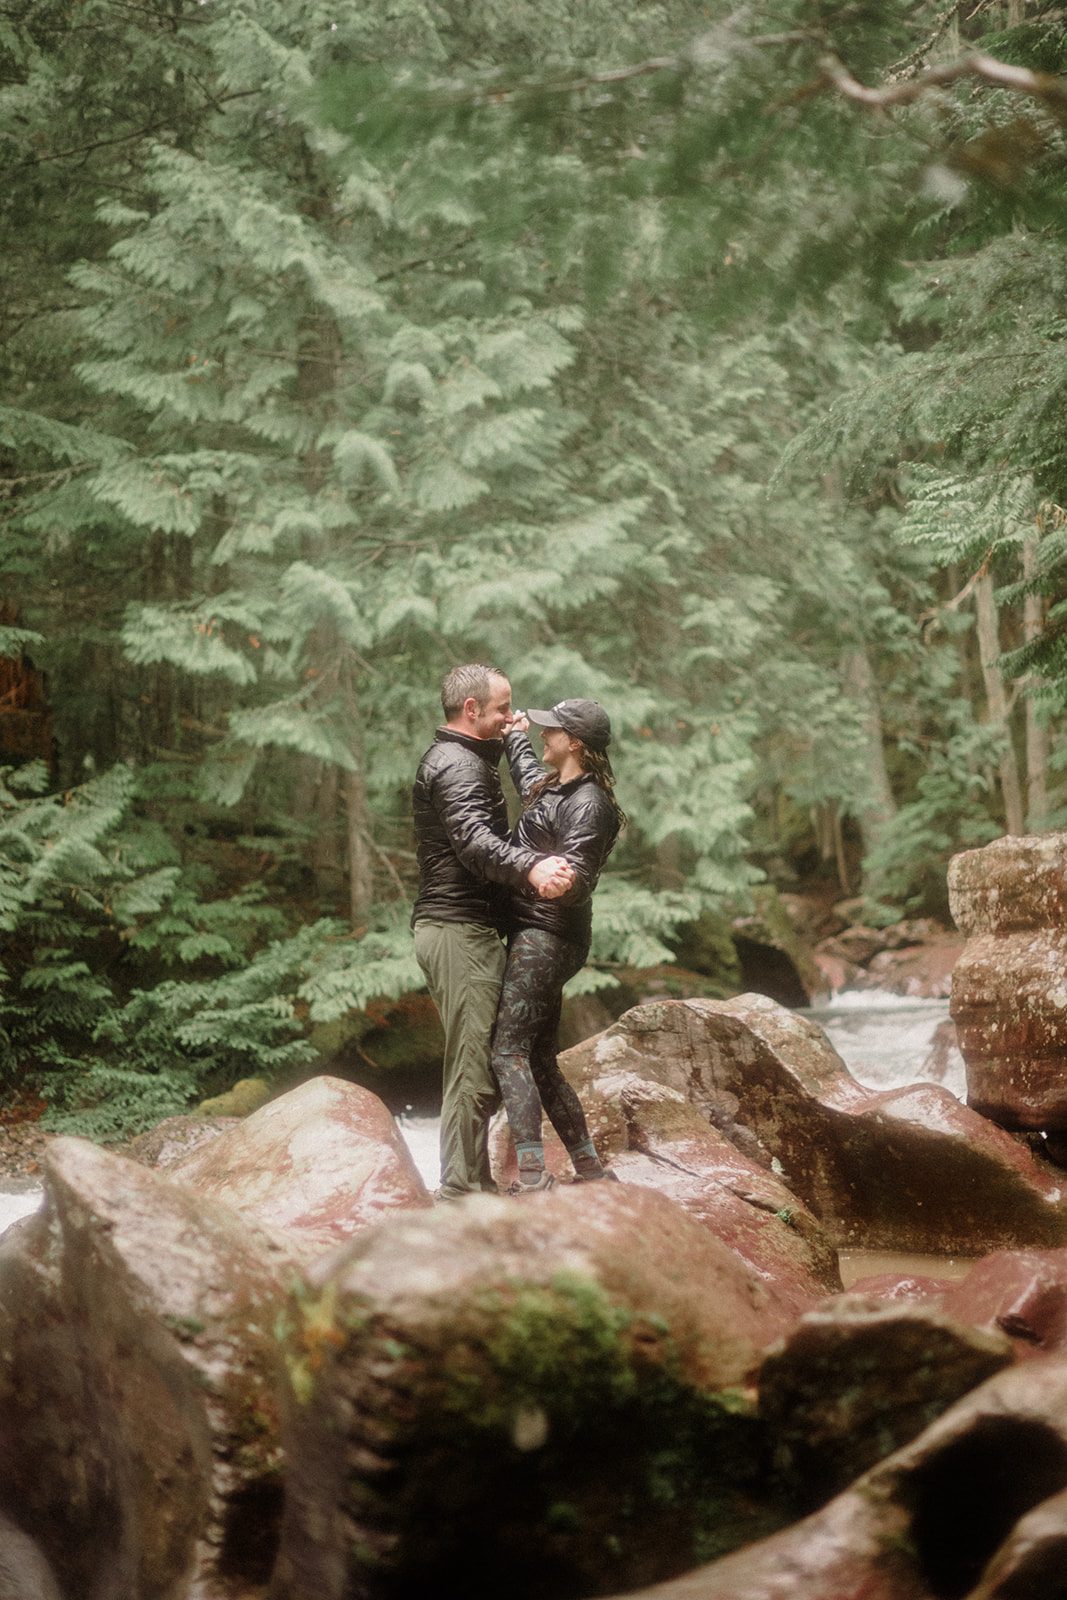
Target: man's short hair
x,y
475,679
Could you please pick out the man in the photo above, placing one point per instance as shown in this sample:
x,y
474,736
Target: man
x,y
466,865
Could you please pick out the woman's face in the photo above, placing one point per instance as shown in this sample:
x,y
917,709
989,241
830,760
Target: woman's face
x,y
557,743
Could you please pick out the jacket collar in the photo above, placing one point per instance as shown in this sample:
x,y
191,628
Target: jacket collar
x,y
489,749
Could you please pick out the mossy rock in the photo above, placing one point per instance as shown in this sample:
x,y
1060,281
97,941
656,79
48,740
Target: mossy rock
x,y
664,982
707,946
775,960
394,1048
246,1096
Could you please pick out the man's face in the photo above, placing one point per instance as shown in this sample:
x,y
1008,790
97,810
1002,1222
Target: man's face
x,y
490,720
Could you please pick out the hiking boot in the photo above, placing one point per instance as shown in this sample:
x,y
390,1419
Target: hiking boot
x,y
544,1182
596,1177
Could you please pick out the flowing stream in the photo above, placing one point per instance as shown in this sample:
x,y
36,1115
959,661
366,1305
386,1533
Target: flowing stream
x,y
885,1040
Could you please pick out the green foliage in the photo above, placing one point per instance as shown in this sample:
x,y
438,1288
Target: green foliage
x,y
622,350
950,812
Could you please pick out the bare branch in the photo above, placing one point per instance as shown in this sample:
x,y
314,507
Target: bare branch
x,y
928,619
903,68
1002,74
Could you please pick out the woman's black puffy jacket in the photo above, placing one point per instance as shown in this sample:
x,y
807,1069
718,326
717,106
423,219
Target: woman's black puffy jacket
x,y
577,820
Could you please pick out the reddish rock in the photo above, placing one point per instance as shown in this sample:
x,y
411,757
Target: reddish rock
x,y
908,1169
1014,883
838,974
319,1163
1009,1004
1021,1292
931,1521
673,1148
557,1384
175,1137
649,1134
924,971
139,1441
856,944
1032,1561
856,1378
1009,991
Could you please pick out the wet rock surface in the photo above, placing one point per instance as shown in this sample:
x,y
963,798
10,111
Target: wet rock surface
x,y
915,958
320,1163
1009,992
629,1379
935,1520
138,1414
650,1134
909,1169
580,1363
857,1378
1019,1293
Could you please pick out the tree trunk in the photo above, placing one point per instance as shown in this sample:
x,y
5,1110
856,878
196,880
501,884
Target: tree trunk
x,y
1037,740
360,852
839,848
997,701
327,861
878,807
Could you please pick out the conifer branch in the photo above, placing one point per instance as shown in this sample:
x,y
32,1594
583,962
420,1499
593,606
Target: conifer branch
x,y
121,138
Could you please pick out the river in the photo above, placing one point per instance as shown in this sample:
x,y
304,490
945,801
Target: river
x,y
884,1039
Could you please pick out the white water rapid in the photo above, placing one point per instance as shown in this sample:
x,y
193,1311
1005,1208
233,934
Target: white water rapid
x,y
885,1040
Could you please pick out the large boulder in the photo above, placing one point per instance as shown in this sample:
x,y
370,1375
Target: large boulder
x,y
857,1378
1019,1293
139,1440
1009,987
776,958
906,1169
651,1135
552,1394
173,1138
939,1519
1023,1293
318,1163
1032,1561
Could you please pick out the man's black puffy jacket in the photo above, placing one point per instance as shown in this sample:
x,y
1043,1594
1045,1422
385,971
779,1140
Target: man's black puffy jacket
x,y
466,861
575,819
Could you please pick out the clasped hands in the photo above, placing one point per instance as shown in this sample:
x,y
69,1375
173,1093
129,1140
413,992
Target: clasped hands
x,y
552,877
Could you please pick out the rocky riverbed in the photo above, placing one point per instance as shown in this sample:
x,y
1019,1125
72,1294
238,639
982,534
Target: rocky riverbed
x,y
249,1359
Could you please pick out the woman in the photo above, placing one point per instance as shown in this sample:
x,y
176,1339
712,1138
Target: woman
x,y
570,811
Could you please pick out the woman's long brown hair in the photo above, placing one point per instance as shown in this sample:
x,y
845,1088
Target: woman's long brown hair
x,y
599,768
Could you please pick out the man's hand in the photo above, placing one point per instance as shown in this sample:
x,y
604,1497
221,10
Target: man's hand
x,y
552,877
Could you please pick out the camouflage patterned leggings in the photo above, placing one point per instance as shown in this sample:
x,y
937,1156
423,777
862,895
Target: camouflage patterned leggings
x,y
524,1039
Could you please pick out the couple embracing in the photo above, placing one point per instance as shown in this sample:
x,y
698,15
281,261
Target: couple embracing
x,y
481,883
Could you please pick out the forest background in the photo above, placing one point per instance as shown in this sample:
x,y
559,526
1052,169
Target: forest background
x,y
705,359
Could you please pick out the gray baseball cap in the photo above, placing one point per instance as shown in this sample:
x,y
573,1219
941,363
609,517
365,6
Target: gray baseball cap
x,y
582,719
